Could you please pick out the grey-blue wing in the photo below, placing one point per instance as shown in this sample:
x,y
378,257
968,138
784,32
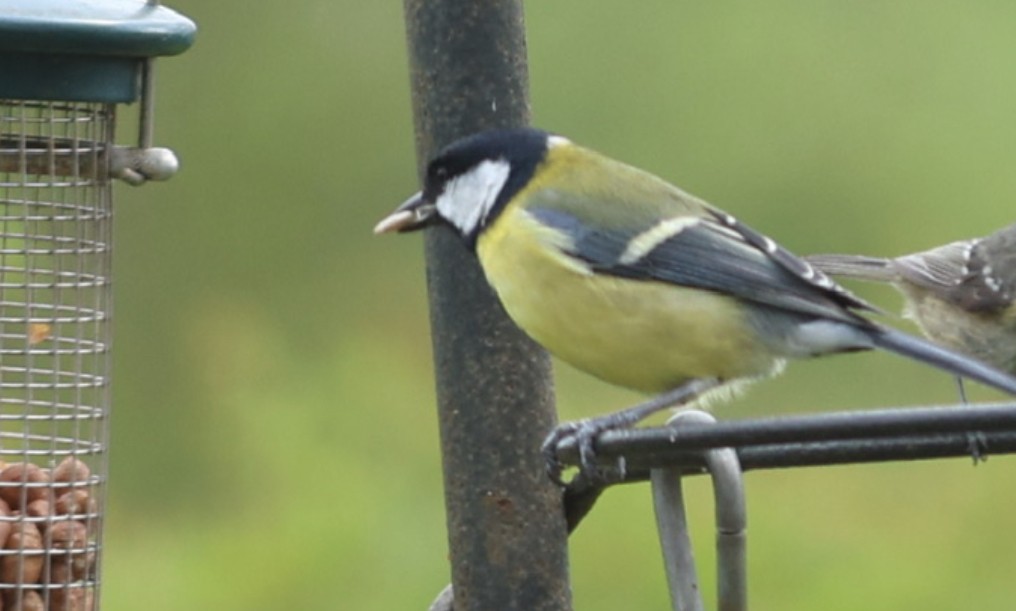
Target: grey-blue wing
x,y
710,255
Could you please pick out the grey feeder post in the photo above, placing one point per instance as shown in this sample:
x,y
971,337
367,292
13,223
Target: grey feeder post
x,y
65,66
506,528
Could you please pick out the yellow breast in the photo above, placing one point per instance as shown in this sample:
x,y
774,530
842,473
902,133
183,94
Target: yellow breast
x,y
644,335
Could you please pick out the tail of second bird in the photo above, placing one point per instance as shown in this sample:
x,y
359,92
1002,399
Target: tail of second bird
x,y
855,266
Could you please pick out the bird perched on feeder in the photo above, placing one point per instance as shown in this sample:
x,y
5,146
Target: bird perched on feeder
x,y
637,282
962,295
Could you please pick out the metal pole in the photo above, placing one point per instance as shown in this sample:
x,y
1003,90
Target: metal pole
x,y
506,527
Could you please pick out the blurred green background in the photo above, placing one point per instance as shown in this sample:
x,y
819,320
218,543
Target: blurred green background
x,y
274,438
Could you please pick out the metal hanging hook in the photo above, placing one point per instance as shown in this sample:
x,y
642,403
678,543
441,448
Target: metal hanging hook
x,y
146,129
136,166
731,528
672,525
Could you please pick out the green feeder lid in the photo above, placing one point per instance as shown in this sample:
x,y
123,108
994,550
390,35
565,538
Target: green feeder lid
x,y
84,50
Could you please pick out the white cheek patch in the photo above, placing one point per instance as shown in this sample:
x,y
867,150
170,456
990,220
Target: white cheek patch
x,y
467,199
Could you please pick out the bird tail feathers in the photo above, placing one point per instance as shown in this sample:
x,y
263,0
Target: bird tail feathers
x,y
855,266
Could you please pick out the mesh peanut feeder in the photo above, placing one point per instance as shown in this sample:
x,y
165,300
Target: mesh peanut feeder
x,y
65,67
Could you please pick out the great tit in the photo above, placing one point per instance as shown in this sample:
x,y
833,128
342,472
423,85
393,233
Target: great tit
x,y
962,295
637,282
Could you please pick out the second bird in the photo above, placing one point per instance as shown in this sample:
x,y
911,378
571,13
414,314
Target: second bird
x,y
962,294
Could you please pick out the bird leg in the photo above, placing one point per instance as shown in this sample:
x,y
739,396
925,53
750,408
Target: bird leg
x,y
962,388
585,432
977,443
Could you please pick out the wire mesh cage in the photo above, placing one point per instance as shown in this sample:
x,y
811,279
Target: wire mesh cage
x,y
64,68
55,297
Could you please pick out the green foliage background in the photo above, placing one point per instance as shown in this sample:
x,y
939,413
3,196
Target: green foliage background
x,y
274,439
